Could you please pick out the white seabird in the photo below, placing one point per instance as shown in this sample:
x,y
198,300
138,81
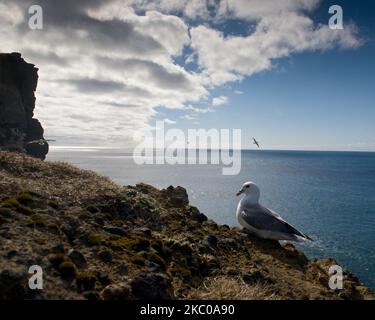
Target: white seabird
x,y
261,221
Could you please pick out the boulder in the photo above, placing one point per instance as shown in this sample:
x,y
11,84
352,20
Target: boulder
x,y
77,258
120,291
152,287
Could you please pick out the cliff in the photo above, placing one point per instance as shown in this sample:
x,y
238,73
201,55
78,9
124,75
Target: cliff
x,y
98,240
19,131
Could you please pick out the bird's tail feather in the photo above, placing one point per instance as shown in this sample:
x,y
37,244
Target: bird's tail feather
x,y
303,238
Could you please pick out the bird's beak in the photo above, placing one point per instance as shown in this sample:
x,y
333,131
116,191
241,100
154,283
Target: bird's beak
x,y
239,193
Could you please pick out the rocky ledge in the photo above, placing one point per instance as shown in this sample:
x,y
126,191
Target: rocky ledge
x,y
19,131
94,239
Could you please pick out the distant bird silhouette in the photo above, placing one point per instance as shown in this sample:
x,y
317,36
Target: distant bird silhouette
x,y
256,142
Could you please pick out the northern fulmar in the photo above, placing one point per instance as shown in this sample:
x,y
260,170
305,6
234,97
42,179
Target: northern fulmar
x,y
262,221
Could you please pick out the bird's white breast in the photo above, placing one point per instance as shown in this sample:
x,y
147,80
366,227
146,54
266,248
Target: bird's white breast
x,y
241,221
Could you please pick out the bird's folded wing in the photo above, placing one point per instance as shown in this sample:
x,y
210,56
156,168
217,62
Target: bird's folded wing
x,y
264,219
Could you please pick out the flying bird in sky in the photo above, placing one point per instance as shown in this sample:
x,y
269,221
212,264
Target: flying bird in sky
x,y
256,142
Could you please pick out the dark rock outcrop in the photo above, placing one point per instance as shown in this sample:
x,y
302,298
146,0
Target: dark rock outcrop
x,y
152,287
19,131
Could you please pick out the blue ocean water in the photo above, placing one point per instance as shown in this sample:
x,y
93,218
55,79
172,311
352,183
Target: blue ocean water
x,y
328,195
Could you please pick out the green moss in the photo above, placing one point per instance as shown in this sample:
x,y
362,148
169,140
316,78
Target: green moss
x,y
40,241
117,223
146,209
54,228
85,280
4,220
147,201
114,237
11,203
67,269
14,204
137,244
25,198
154,257
94,239
53,204
37,220
123,243
192,225
139,261
108,215
58,259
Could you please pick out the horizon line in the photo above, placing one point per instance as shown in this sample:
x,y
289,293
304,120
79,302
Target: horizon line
x,y
209,149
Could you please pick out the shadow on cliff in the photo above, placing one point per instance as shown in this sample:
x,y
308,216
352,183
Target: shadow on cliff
x,y
19,131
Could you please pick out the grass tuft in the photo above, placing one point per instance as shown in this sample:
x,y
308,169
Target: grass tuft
x,y
226,288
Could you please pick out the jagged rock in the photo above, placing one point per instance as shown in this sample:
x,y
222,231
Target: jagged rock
x,y
152,287
18,129
177,197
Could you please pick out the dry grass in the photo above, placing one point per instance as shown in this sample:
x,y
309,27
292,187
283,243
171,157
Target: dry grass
x,y
227,288
57,179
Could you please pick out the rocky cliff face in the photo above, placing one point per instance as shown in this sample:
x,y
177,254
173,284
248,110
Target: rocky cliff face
x,y
94,239
19,131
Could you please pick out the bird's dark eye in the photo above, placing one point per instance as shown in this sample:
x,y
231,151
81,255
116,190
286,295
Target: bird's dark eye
x,y
247,186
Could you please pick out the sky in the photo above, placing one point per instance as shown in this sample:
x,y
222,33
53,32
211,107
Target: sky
x,y
274,69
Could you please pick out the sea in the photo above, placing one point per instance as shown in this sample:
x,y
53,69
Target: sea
x,y
328,195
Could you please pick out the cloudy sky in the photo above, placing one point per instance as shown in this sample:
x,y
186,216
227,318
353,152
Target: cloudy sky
x,y
110,68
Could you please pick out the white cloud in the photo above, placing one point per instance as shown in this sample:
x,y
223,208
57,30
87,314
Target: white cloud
x,y
106,65
200,110
224,9
187,117
189,8
105,70
225,59
219,101
257,9
168,121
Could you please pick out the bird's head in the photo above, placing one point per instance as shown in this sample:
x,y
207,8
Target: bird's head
x,y
250,189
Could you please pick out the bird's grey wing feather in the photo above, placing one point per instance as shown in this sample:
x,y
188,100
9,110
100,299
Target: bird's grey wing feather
x,y
264,219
